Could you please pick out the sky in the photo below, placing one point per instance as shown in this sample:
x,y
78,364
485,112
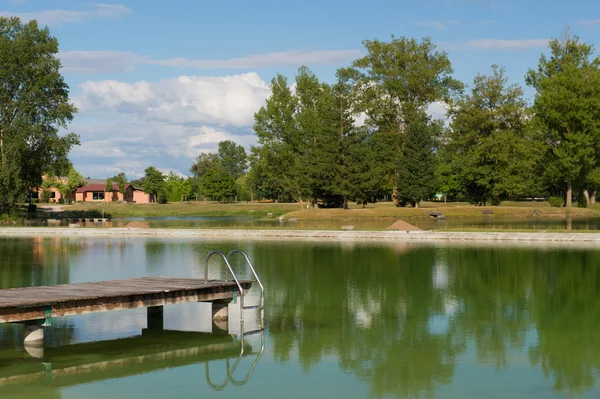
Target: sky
x,y
157,82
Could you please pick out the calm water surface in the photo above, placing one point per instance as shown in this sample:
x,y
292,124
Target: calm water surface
x,y
342,320
536,223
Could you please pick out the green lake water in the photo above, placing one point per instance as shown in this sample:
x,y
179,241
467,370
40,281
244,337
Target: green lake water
x,y
347,320
424,223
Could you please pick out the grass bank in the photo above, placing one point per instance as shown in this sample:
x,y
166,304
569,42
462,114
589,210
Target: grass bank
x,y
182,209
450,210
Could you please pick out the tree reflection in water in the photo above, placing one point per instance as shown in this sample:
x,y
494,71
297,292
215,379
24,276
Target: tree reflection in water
x,y
401,320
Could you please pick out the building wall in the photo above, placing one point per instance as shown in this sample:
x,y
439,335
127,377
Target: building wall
x,y
141,197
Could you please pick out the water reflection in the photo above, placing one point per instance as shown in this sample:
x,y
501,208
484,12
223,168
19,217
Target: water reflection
x,y
402,320
98,361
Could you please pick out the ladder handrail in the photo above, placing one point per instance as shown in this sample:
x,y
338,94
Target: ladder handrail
x,y
251,370
217,387
241,290
251,266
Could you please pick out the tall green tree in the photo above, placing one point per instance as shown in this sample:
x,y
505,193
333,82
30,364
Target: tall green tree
x,y
121,180
397,80
173,187
232,158
73,182
416,172
218,184
203,163
280,149
492,142
567,107
34,106
154,182
108,187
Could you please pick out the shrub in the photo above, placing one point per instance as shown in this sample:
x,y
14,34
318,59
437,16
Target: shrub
x,y
556,202
46,194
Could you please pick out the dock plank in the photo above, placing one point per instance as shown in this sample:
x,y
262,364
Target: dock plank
x,y
29,303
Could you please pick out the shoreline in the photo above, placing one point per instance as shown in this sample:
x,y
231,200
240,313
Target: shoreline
x,y
311,235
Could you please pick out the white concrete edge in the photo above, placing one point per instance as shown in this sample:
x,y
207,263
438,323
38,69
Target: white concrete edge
x,y
335,235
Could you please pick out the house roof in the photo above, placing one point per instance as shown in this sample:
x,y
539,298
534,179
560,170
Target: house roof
x,y
99,187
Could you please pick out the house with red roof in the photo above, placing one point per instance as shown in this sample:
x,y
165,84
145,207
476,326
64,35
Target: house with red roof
x,y
94,192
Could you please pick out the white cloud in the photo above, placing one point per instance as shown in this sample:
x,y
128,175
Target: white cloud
x,y
507,45
435,24
223,101
437,110
60,17
87,62
131,146
293,57
590,22
93,62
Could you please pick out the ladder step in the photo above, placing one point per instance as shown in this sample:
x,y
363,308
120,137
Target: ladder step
x,y
252,332
254,307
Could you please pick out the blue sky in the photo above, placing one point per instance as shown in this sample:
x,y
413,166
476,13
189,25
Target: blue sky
x,y
157,82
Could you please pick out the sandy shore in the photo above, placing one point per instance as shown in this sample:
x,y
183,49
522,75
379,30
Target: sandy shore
x,y
591,239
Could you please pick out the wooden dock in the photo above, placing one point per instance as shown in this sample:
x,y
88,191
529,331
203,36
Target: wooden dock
x,y
39,303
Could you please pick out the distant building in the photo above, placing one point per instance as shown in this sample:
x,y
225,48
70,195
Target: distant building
x,y
55,195
94,192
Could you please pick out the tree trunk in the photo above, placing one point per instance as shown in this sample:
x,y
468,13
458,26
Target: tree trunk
x,y
569,199
586,194
2,146
416,204
345,202
395,195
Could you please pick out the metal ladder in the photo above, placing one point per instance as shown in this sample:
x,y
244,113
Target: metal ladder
x,y
241,290
230,371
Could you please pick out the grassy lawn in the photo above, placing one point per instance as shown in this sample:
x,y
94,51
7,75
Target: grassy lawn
x,y
117,210
450,210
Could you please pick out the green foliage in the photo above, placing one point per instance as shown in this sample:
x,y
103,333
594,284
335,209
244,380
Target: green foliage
x,y
232,158
491,144
203,163
416,173
121,181
218,184
395,82
556,202
280,150
567,107
177,188
243,188
34,106
154,183
108,187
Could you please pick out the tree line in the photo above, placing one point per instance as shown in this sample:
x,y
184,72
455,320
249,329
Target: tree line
x,y
311,148
493,146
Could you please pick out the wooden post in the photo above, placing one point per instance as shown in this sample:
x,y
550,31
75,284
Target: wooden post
x,y
155,318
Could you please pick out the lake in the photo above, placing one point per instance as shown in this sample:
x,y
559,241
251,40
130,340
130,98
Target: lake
x,y
352,320
427,223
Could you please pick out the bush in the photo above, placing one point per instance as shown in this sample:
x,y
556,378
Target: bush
x,y
46,194
162,198
556,202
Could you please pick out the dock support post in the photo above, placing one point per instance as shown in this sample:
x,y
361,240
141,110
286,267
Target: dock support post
x,y
155,318
220,316
34,335
220,310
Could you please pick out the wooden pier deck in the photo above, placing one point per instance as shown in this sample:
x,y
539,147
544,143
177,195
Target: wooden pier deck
x,y
37,303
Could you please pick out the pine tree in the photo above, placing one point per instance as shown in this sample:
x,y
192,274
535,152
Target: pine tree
x,y
416,172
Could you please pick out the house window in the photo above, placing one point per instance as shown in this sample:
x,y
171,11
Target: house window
x,y
53,194
98,196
